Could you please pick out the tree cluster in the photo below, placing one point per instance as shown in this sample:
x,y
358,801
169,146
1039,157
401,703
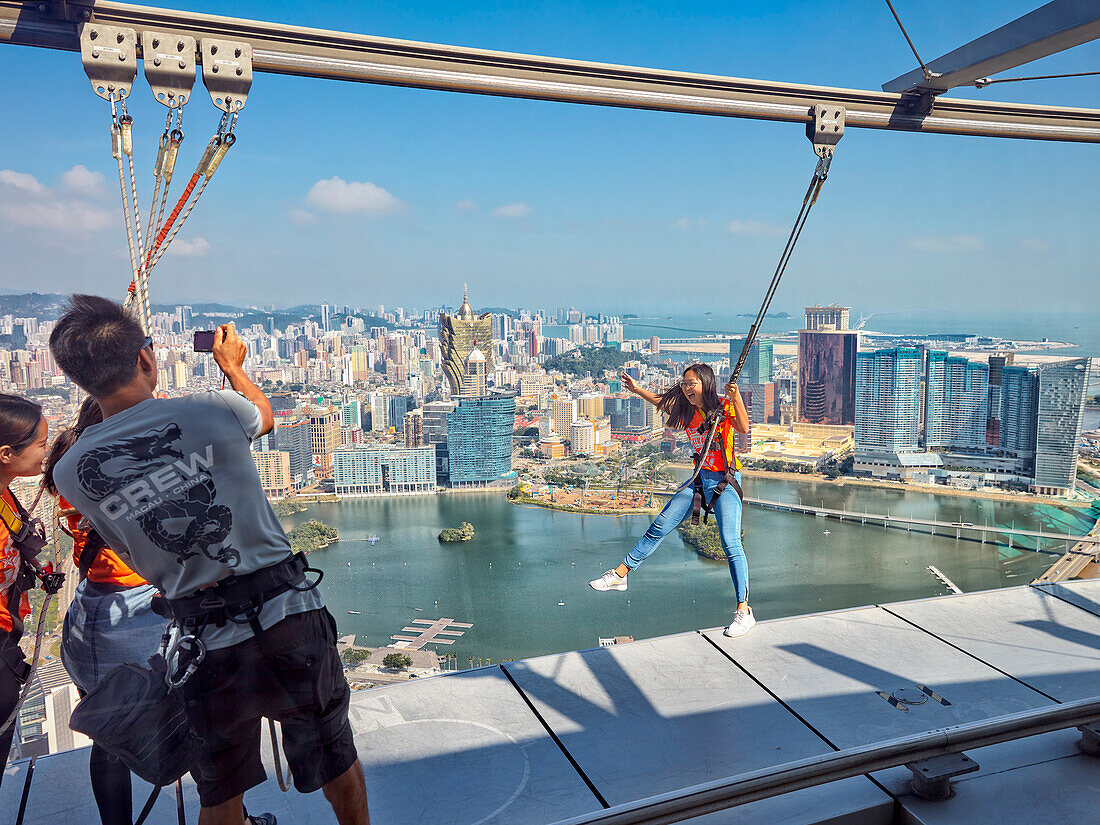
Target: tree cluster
x,y
311,535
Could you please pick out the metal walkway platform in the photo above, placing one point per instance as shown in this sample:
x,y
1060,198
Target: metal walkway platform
x,y
546,739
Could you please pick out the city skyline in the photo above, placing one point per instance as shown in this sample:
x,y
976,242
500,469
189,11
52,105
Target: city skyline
x,y
527,200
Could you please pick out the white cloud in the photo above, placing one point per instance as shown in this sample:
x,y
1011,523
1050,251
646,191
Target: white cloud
x,y
466,205
1034,245
82,181
61,215
21,180
339,195
682,223
945,243
197,247
752,228
300,217
512,210
27,204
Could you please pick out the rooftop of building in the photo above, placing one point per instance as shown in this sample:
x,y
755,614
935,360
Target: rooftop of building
x,y
546,739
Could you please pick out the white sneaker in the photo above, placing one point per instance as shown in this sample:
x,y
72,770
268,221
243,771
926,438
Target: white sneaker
x,y
742,623
609,581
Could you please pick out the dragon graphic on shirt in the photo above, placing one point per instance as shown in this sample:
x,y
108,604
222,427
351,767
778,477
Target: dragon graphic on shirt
x,y
126,465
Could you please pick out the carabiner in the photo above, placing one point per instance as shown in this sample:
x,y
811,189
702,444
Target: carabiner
x,y
192,666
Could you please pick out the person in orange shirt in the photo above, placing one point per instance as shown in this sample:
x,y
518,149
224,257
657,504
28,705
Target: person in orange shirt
x,y
687,406
23,432
110,622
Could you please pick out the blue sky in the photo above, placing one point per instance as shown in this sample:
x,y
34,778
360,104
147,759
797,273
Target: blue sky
x,y
364,194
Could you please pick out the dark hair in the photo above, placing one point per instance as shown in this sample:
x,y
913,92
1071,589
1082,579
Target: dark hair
x,y
20,419
674,404
89,414
96,344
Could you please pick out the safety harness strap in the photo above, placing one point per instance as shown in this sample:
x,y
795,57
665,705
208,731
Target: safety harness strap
x,y
238,599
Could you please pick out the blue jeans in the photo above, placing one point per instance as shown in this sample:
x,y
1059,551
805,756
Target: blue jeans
x,y
727,512
107,626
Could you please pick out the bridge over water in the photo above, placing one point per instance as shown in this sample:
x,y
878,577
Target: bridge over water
x,y
984,532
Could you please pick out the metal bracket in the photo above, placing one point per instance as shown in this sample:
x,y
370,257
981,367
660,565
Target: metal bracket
x,y
1090,739
169,66
227,72
109,55
75,11
932,777
918,101
826,127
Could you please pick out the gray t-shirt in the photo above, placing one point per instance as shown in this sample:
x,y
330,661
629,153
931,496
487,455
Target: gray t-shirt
x,y
173,482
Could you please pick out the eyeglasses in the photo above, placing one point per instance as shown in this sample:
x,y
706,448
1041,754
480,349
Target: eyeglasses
x,y
148,342
686,384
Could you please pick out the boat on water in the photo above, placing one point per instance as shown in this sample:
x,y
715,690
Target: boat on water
x,y
355,612
373,540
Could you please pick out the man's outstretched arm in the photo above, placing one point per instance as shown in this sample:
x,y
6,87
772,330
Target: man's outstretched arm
x,y
229,352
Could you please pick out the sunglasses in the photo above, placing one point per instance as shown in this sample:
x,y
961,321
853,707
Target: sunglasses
x,y
148,342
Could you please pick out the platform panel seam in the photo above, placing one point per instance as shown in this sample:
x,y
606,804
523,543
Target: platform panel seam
x,y
971,655
557,741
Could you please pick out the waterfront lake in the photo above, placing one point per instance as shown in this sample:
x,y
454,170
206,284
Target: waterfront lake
x,y
509,579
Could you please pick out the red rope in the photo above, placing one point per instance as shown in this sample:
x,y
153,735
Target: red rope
x,y
172,217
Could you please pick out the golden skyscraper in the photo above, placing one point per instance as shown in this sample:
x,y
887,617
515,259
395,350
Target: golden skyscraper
x,y
460,335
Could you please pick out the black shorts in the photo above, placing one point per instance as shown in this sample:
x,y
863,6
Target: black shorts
x,y
293,675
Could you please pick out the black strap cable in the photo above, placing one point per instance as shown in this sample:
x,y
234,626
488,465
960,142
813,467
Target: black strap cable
x,y
821,173
928,74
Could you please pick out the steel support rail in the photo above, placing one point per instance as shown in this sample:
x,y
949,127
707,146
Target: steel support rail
x,y
293,50
818,770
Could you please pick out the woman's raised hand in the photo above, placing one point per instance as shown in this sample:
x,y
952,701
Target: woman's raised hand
x,y
628,383
731,389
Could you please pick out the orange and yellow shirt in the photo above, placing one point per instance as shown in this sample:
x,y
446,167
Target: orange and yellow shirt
x,y
9,572
107,568
723,438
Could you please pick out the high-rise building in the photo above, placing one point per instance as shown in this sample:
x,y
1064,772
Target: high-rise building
x,y
436,415
414,428
997,363
292,436
326,317
827,318
396,407
827,376
765,401
388,470
351,414
582,437
479,439
324,435
475,380
758,363
273,467
460,335
563,412
1019,411
1062,389
888,400
956,403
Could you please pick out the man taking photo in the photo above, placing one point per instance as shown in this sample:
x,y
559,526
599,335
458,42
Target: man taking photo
x,y
172,482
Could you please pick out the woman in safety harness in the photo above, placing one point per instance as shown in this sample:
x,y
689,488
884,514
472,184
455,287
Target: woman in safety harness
x,y
110,622
23,432
692,405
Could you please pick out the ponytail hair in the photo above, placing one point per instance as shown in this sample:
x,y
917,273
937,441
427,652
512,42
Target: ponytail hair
x,y
89,414
674,404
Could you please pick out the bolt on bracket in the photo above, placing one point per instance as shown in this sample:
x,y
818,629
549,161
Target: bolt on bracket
x,y
932,777
1090,739
109,55
825,127
169,66
226,72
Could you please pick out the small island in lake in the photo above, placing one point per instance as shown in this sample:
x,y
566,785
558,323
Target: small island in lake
x,y
703,539
312,535
463,533
287,507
